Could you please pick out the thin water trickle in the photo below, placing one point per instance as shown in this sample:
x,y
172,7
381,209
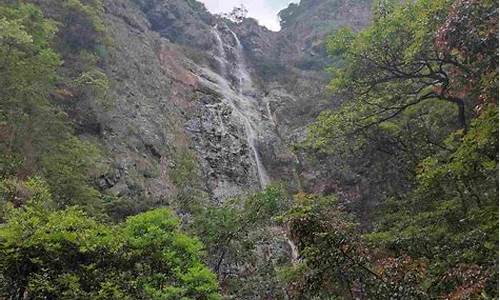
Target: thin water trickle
x,y
293,250
245,81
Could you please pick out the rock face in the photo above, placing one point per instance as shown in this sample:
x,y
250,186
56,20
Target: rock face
x,y
205,106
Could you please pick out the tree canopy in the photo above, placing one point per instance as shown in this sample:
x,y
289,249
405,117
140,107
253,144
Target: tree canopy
x,y
419,118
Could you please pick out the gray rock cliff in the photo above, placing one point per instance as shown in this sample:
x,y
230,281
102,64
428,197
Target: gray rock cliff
x,y
203,106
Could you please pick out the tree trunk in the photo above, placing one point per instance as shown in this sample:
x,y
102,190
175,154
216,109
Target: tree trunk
x,y
462,121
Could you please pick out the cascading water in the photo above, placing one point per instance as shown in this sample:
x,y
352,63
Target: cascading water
x,y
293,250
244,106
221,53
244,79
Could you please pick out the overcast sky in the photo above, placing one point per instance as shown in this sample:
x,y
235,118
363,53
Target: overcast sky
x,y
265,11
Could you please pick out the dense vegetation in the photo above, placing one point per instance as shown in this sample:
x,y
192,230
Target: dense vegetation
x,y
243,237
421,119
37,137
65,254
419,124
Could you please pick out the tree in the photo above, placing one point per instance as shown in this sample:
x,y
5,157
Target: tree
x,y
166,262
451,218
27,74
398,63
238,235
405,79
36,136
335,261
238,14
404,82
65,254
470,35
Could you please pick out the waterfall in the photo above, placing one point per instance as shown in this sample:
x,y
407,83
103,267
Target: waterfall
x,y
293,250
244,106
245,81
221,52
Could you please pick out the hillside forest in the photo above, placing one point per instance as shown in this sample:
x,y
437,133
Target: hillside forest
x,y
408,124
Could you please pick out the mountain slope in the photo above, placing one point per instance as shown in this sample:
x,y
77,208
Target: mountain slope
x,y
166,121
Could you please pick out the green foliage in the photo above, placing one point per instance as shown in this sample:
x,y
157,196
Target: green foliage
x,y
393,65
94,80
36,137
66,168
82,42
185,168
236,217
28,63
306,10
82,26
67,255
454,207
237,233
334,260
60,254
14,192
185,176
167,261
405,80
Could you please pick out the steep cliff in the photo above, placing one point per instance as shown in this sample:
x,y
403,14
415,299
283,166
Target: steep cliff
x,y
206,107
175,130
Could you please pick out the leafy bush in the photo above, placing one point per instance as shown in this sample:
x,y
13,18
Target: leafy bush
x,y
68,255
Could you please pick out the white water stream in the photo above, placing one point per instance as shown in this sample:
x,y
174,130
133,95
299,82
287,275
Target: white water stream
x,y
243,103
244,106
294,250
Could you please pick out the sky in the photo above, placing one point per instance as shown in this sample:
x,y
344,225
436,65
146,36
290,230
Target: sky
x,y
265,11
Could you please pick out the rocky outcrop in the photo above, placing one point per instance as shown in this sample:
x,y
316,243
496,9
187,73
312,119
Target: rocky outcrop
x,y
305,26
162,109
202,103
